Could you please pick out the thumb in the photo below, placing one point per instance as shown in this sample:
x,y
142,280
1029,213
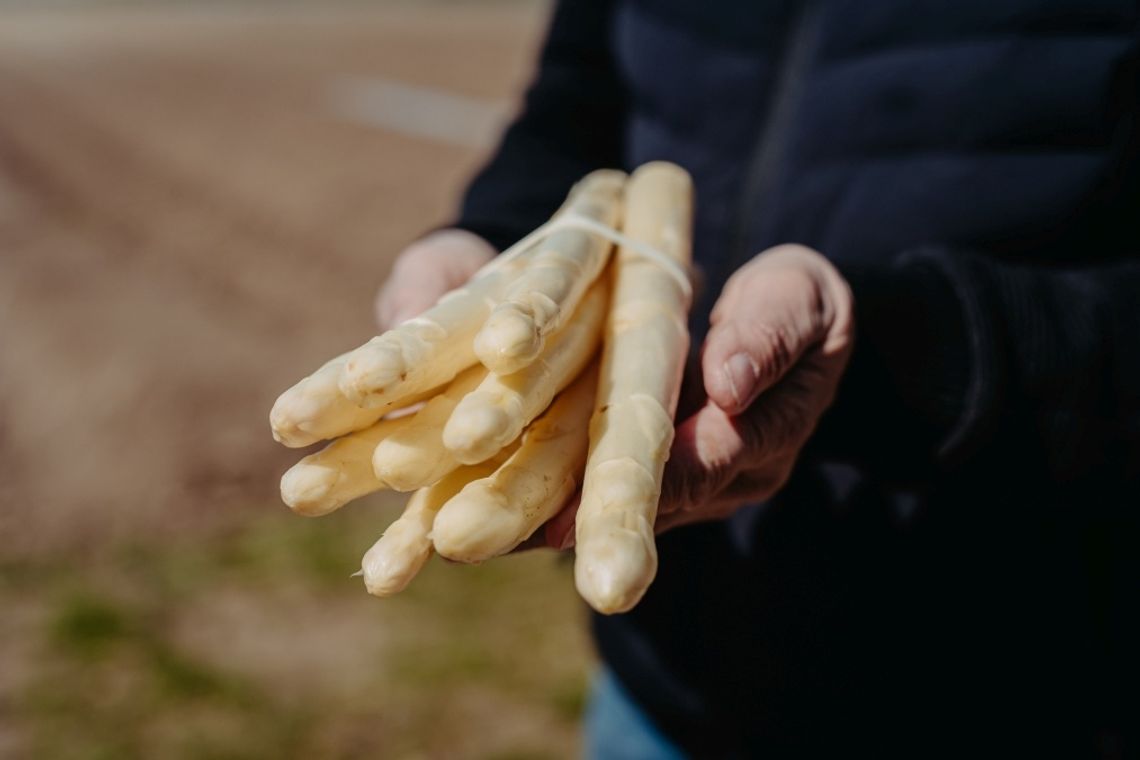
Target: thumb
x,y
764,321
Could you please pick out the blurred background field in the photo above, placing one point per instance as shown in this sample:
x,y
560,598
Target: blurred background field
x,y
197,203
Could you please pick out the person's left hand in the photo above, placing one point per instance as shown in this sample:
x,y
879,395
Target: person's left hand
x,y
782,333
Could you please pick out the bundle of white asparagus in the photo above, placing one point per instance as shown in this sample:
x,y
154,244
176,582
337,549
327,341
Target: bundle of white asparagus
x,y
554,371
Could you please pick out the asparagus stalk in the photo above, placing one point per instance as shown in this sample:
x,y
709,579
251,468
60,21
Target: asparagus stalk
x,y
495,413
346,468
315,409
495,514
414,456
545,294
425,351
340,472
401,552
645,344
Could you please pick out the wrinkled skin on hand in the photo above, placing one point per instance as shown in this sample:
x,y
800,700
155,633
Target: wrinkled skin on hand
x,y
781,335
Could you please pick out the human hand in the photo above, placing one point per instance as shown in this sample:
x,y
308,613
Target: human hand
x,y
427,269
782,333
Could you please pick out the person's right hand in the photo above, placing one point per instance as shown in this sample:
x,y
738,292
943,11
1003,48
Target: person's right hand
x,y
427,269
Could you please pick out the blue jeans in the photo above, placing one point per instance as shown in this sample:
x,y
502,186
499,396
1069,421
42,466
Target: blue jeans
x,y
617,729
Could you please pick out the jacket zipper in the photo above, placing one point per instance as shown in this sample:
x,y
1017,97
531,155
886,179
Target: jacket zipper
x,y
763,172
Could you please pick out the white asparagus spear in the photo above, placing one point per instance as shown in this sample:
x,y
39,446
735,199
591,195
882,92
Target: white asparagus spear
x,y
428,350
344,470
646,341
495,514
315,409
545,294
414,456
494,414
340,472
395,559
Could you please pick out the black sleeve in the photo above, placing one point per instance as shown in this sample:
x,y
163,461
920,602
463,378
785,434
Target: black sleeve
x,y
572,121
963,361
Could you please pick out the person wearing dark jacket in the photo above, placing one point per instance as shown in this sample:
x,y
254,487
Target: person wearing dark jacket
x,y
903,511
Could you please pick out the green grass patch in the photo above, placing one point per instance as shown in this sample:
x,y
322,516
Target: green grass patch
x,y
88,626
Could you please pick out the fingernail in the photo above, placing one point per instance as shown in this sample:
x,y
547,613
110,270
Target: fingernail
x,y
741,371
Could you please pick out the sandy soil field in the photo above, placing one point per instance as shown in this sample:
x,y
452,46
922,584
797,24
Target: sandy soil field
x,y
196,207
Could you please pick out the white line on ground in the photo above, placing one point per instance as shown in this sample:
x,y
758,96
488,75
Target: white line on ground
x,y
419,111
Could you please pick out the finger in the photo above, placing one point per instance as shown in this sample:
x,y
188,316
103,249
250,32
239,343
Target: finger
x,y
712,447
750,487
426,270
764,321
407,295
722,459
559,531
705,450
